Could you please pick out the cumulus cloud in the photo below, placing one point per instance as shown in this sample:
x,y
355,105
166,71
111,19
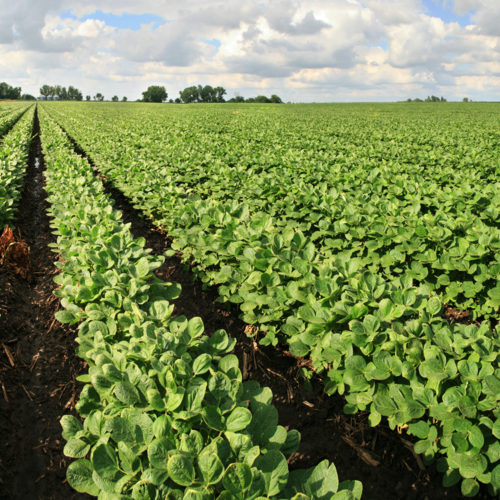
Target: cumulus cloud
x,y
315,49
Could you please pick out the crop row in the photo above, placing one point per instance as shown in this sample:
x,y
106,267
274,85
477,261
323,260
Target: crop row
x,y
13,162
10,117
165,413
349,262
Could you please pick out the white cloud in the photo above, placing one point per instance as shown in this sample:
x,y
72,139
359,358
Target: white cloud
x,y
309,50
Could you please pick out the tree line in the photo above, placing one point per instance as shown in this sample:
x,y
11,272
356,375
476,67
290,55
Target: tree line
x,y
71,94
204,94
11,93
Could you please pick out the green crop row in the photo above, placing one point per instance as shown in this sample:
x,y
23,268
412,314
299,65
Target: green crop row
x,y
10,117
348,254
166,414
14,151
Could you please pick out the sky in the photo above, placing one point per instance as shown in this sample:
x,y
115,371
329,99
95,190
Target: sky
x,y
304,51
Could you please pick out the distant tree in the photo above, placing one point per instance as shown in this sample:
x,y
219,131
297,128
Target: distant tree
x,y
124,99
63,93
250,99
443,99
203,94
409,100
9,92
418,100
170,101
155,93
98,97
114,98
465,99
177,101
45,90
87,98
55,90
75,95
220,92
189,94
207,93
28,97
262,99
276,99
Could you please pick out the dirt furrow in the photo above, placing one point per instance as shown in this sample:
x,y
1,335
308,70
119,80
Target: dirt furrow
x,y
41,385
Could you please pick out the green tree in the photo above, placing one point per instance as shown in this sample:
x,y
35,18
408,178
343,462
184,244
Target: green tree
x,y
55,90
98,97
124,99
88,98
63,93
114,98
465,99
177,100
9,92
251,99
220,92
207,93
75,95
155,93
45,90
189,94
28,97
276,99
262,99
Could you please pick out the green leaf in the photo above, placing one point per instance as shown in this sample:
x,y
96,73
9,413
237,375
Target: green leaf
x,y
71,425
76,448
181,470
237,478
126,393
467,406
158,452
292,442
213,417
385,406
323,481
211,468
470,487
79,476
104,461
238,419
275,469
64,316
202,364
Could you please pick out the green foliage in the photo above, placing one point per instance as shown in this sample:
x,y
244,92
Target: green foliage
x,y
344,238
202,94
155,93
166,413
9,92
14,149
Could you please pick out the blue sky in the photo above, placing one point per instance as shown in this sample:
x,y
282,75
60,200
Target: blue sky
x,y
444,10
124,21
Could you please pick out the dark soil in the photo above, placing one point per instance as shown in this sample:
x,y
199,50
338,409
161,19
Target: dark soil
x,y
40,388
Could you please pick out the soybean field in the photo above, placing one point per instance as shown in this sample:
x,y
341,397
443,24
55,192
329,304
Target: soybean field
x,y
250,301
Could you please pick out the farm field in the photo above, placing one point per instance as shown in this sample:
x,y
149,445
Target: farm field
x,y
203,257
